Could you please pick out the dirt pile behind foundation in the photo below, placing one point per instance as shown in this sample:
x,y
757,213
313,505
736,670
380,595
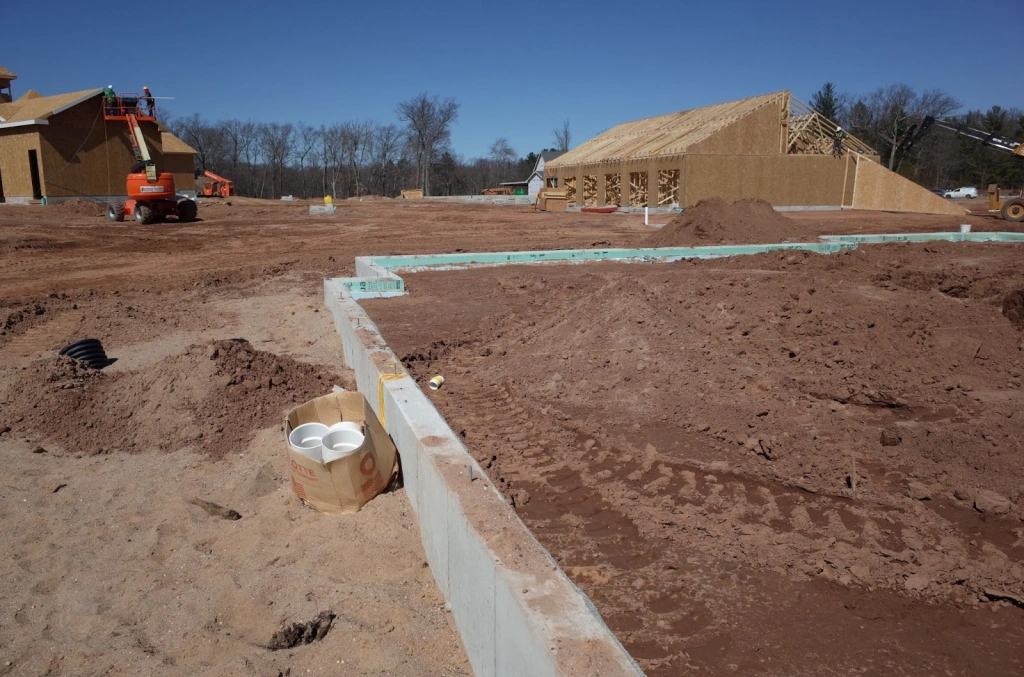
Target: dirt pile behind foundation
x,y
714,221
213,397
80,208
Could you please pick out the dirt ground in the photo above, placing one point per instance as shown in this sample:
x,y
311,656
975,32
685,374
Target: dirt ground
x,y
111,563
109,568
783,463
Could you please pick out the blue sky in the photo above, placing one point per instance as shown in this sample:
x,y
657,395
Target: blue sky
x,y
518,69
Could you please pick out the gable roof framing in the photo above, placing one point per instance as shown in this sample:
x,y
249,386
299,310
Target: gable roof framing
x,y
810,132
807,131
664,135
35,110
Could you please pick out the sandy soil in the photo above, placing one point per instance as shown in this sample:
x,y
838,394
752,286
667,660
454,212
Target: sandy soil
x,y
783,463
109,565
113,566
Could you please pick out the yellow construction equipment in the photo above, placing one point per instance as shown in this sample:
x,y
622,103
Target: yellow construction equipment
x,y
1011,209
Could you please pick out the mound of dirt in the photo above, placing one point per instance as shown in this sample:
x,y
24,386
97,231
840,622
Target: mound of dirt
x,y
214,397
713,221
69,372
1013,307
16,317
80,208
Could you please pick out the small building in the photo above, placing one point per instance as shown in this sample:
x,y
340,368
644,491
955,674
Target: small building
x,y
532,185
60,147
772,147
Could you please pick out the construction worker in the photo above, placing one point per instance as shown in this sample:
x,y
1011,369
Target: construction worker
x,y
148,104
837,141
110,100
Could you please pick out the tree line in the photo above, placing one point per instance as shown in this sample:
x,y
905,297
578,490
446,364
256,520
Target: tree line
x,y
941,159
353,158
372,157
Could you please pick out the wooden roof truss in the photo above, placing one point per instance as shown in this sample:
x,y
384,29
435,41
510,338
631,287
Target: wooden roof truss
x,y
664,135
810,132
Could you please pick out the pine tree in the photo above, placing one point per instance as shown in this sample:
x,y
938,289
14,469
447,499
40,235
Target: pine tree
x,y
826,101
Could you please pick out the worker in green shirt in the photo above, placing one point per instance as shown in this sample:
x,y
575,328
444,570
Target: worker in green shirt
x,y
110,99
837,141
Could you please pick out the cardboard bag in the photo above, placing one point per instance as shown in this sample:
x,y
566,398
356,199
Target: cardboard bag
x,y
348,483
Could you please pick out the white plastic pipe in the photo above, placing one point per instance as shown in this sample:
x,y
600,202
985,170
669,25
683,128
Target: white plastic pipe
x,y
646,210
339,443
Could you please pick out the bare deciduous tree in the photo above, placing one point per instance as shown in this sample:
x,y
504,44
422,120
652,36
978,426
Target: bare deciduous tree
x,y
885,115
277,143
355,141
429,121
502,157
201,135
385,152
238,138
563,137
306,140
331,156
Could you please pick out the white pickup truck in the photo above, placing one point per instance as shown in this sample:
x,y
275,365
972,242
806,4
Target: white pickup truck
x,y
966,191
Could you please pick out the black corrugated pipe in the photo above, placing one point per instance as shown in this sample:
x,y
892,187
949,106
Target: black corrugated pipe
x,y
89,351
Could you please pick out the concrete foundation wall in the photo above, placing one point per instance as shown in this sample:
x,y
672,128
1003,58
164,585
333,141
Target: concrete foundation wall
x,y
516,611
15,143
486,199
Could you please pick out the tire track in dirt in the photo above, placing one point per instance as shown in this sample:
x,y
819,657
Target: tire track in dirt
x,y
669,485
39,339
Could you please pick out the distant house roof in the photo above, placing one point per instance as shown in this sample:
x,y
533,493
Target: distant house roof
x,y
549,155
522,183
32,109
6,74
173,145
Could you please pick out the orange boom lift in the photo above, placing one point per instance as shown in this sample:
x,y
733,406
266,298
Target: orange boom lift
x,y
151,196
218,186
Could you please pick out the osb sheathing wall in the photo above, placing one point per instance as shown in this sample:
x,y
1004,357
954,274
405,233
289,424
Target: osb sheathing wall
x,y
782,180
878,188
181,166
83,154
758,133
15,143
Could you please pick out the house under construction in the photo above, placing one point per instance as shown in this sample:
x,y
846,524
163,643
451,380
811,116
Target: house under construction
x,y
772,147
60,147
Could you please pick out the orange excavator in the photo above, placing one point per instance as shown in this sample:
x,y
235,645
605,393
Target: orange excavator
x,y
151,195
217,186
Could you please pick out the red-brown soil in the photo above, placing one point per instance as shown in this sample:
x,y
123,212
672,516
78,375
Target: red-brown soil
x,y
80,208
714,221
782,463
110,568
